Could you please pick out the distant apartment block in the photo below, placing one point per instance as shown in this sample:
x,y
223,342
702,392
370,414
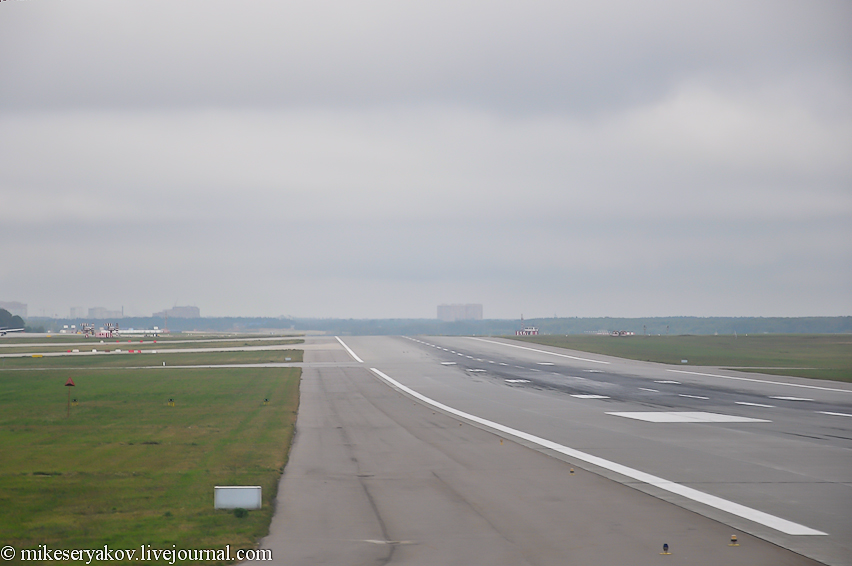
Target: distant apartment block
x,y
78,312
180,312
451,313
16,309
102,313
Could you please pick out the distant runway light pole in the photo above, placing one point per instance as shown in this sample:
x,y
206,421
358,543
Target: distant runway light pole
x,y
69,384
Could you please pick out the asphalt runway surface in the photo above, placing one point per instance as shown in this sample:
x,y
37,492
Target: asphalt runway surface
x,y
435,451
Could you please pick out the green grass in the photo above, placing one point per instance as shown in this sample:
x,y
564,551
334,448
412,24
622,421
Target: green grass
x,y
123,360
126,469
820,356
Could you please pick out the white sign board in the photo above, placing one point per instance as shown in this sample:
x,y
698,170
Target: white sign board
x,y
236,496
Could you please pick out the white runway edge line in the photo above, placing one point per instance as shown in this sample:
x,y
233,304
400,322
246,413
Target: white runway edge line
x,y
759,381
771,521
348,349
539,351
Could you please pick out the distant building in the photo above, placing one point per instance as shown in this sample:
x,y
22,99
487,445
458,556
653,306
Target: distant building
x,y
180,312
526,330
78,312
103,313
451,313
16,309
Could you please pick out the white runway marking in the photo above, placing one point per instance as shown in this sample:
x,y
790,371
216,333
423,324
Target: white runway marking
x,y
771,521
476,370
666,381
590,396
502,364
448,363
692,396
761,381
789,398
593,370
517,380
545,363
754,404
646,389
686,417
835,414
348,349
539,351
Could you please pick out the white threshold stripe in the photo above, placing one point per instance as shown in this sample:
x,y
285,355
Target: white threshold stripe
x,y
835,414
539,351
348,349
761,381
771,521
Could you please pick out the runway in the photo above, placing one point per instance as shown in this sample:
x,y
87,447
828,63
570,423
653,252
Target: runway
x,y
379,476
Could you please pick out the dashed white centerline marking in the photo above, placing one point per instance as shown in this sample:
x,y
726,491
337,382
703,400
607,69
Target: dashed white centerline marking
x,y
448,363
502,364
771,521
593,370
754,404
692,396
476,370
546,363
789,398
590,396
835,414
666,381
517,380
646,389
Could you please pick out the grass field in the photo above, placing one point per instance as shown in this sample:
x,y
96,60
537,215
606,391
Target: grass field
x,y
820,356
126,469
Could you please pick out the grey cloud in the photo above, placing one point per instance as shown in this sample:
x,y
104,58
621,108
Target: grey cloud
x,y
512,57
379,158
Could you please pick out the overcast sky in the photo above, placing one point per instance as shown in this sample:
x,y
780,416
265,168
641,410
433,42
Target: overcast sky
x,y
375,159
